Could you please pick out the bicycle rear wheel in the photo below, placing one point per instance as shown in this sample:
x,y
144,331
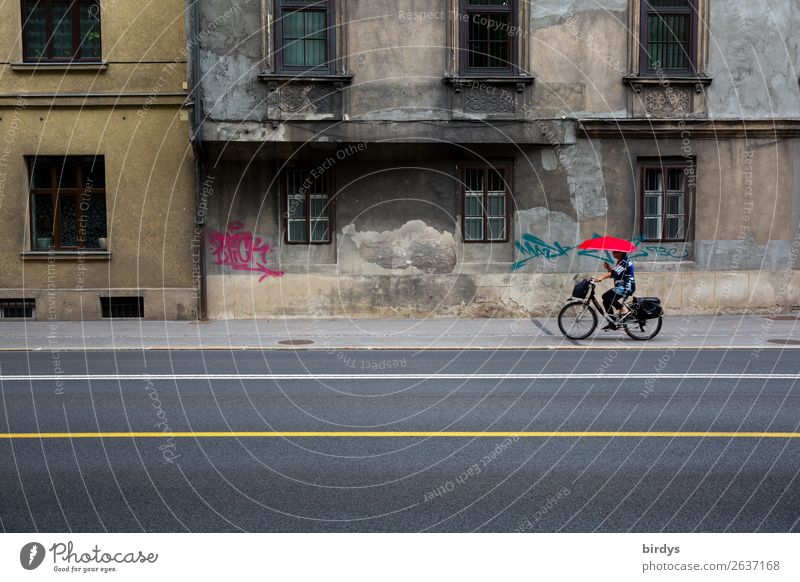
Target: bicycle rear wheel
x,y
644,329
577,320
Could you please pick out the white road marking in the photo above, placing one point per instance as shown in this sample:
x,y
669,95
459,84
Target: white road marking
x,y
385,377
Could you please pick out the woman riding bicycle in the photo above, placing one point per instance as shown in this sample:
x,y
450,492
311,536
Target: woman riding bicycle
x,y
624,287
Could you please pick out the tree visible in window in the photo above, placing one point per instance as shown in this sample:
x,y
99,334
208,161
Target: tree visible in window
x,y
303,34
487,36
668,33
61,30
485,194
308,207
665,200
68,202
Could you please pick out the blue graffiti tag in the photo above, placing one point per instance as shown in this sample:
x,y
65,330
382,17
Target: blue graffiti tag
x,y
533,247
668,252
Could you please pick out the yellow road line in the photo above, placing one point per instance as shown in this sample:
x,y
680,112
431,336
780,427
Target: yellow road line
x,y
545,434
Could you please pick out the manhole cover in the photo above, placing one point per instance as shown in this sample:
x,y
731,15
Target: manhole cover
x,y
785,317
785,342
296,342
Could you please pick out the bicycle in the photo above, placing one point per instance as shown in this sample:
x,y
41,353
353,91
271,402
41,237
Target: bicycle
x,y
578,320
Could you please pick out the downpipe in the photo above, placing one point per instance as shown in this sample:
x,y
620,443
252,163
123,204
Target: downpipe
x,y
197,146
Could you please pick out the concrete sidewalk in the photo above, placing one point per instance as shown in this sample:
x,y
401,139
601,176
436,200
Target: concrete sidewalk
x,y
748,332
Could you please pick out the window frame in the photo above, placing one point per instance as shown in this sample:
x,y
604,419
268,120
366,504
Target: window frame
x,y
688,195
508,169
74,9
57,193
464,10
329,187
645,10
282,7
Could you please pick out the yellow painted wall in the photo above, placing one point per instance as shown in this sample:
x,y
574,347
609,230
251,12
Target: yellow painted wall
x,y
133,113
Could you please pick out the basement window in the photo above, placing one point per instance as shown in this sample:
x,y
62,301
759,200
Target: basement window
x,y
17,308
122,307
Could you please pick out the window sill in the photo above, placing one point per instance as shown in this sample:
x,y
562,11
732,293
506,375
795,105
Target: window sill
x,y
458,80
304,77
98,255
42,67
637,81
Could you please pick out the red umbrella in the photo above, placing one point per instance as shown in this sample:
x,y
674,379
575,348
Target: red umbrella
x,y
607,243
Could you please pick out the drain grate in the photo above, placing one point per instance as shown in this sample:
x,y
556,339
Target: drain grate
x,y
785,318
299,342
785,342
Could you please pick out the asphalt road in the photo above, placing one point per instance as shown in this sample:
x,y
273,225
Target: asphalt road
x,y
142,467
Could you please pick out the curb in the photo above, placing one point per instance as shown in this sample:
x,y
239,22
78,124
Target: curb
x,y
625,347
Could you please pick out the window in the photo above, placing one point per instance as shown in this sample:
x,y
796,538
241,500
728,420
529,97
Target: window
x,y
668,37
308,207
488,28
303,35
17,308
61,30
68,203
665,201
485,193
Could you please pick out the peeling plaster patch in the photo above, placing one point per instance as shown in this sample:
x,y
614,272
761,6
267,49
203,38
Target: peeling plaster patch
x,y
223,99
250,132
585,115
415,245
584,165
546,13
762,87
549,160
404,115
549,226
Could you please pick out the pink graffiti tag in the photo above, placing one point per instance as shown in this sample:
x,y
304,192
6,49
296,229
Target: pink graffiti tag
x,y
241,250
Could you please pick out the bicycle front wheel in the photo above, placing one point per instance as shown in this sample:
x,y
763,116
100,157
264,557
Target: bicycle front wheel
x,y
643,330
577,320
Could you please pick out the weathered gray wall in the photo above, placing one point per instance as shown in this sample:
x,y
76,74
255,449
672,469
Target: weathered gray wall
x,y
578,52
231,57
397,246
579,55
398,249
754,59
398,61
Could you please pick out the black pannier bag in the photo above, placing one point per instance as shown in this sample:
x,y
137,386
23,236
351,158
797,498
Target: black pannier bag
x,y
581,289
647,308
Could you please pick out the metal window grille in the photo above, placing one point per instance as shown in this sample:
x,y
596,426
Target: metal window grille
x,y
17,308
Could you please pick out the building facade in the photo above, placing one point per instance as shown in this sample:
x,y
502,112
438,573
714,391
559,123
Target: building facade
x,y
394,157
97,182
